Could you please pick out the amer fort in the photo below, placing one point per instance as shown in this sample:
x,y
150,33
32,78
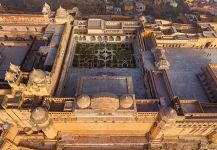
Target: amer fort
x,y
106,82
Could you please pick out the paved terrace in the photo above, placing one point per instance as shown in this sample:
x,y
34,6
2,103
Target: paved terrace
x,y
185,64
117,85
74,74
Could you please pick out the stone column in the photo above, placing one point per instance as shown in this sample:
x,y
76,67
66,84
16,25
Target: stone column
x,y
166,120
40,119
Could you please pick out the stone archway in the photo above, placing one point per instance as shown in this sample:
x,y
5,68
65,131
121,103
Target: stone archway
x,y
76,38
111,38
105,38
80,38
31,37
84,38
207,45
118,38
99,38
127,38
93,38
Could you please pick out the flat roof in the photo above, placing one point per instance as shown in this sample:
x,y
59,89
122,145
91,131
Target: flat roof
x,y
111,17
94,23
191,106
186,63
9,55
147,105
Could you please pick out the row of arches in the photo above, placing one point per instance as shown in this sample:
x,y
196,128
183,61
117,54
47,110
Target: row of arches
x,y
23,28
173,45
102,38
210,45
207,45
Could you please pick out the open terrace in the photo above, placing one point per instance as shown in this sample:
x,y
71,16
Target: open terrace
x,y
186,63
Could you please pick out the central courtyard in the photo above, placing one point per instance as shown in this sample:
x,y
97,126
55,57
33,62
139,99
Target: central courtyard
x,y
114,61
75,74
97,55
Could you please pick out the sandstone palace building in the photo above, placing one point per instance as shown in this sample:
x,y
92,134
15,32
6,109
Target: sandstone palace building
x,y
69,81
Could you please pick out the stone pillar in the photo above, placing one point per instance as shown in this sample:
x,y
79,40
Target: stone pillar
x,y
166,120
40,119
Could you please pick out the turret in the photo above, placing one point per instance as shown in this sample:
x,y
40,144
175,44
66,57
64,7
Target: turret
x,y
83,101
126,101
62,15
46,9
40,119
166,120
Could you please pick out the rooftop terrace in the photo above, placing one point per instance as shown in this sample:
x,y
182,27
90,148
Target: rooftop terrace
x,y
74,75
9,55
118,85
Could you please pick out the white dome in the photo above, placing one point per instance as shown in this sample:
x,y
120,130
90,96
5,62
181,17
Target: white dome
x,y
168,113
37,76
39,115
61,12
126,101
83,101
75,9
46,9
143,19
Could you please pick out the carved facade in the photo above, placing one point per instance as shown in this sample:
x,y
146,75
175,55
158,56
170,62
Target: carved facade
x,y
174,35
107,108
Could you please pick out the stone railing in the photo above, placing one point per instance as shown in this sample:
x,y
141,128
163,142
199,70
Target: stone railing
x,y
146,101
168,85
62,116
57,67
209,116
57,99
24,18
147,116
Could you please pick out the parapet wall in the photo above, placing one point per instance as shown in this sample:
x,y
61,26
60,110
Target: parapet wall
x,y
58,64
24,18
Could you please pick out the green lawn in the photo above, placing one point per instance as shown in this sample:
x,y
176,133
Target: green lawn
x,y
104,55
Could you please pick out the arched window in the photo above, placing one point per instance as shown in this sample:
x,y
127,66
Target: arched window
x,y
111,38
84,38
93,38
76,38
80,38
118,38
105,38
99,38
207,45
